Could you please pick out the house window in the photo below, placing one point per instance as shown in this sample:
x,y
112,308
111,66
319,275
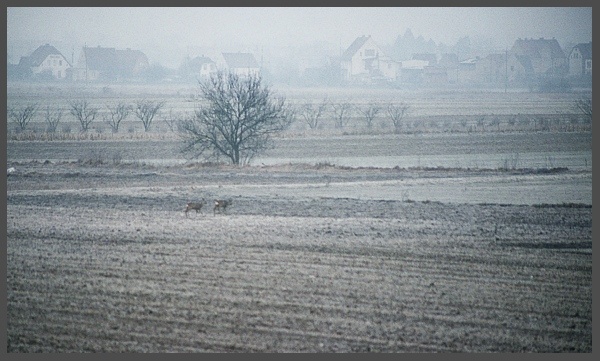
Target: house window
x,y
369,52
588,64
60,62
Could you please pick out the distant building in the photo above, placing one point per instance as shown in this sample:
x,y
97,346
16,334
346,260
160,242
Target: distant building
x,y
109,64
430,58
242,64
580,60
46,61
412,71
200,67
546,57
365,61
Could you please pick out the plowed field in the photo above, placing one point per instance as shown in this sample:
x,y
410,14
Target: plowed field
x,y
103,259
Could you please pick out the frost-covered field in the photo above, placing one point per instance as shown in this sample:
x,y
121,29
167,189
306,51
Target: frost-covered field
x,y
468,242
103,258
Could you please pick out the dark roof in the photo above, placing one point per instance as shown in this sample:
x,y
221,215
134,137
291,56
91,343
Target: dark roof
x,y
240,60
128,58
585,49
40,54
534,48
101,59
525,62
111,60
199,60
353,48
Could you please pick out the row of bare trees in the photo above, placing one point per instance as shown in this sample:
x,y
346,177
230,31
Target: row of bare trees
x,y
312,113
86,113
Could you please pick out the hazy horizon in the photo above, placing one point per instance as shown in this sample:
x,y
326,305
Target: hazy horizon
x,y
166,35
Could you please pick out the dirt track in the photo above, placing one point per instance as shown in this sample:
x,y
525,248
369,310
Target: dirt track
x,y
111,263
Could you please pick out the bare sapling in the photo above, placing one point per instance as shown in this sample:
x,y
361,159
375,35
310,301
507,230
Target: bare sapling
x,y
197,206
221,206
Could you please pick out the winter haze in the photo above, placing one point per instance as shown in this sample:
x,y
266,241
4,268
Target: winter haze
x,y
167,35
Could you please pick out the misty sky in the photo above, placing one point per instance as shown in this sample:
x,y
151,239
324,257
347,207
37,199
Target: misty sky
x,y
166,34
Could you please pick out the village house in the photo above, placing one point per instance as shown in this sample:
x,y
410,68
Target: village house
x,y
580,61
449,61
109,64
200,67
411,71
546,57
467,71
364,61
241,64
46,61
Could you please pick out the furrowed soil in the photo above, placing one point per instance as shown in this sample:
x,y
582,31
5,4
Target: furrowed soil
x,y
102,258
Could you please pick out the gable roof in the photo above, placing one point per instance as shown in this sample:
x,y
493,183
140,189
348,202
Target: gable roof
x,y
240,60
110,60
40,54
525,62
128,59
199,60
585,49
101,59
353,48
535,48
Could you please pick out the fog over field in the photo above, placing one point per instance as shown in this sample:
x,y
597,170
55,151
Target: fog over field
x,y
365,216
167,35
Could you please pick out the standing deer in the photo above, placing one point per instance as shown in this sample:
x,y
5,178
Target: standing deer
x,y
195,206
221,205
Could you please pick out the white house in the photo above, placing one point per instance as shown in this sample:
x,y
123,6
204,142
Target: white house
x,y
201,67
242,64
580,60
46,59
364,60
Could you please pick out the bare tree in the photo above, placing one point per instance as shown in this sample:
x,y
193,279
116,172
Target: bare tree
x,y
396,112
116,115
84,112
52,118
171,120
146,110
342,112
237,119
369,113
313,112
22,116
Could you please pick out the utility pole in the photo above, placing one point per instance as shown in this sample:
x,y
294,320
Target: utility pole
x,y
505,69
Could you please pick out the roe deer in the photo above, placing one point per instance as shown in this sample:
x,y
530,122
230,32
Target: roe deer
x,y
221,205
195,206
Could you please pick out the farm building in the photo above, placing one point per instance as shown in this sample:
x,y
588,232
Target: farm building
x,y
200,67
580,61
46,61
546,57
109,64
242,64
